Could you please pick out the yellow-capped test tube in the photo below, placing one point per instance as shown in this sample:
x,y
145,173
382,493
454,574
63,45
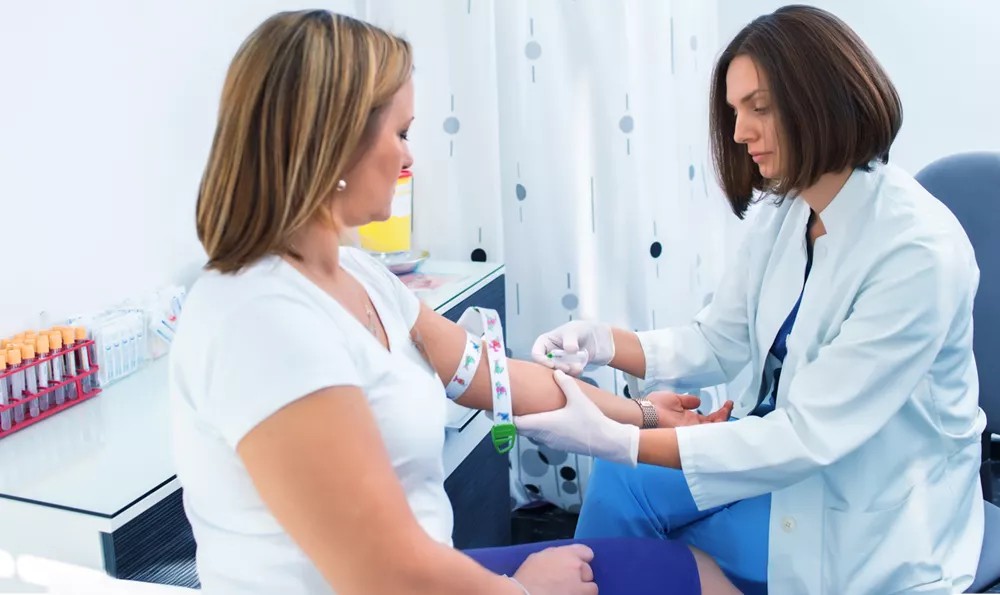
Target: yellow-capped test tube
x,y
83,359
63,364
30,377
5,416
44,371
16,382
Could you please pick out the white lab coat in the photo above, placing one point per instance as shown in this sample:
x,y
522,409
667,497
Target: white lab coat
x,y
872,454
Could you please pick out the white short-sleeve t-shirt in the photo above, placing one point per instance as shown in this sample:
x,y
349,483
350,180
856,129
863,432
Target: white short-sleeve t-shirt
x,y
251,343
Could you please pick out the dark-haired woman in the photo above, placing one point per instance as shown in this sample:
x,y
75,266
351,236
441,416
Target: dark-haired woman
x,y
853,466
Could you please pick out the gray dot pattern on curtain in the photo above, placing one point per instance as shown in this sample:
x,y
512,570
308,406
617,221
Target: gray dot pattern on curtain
x,y
540,465
542,473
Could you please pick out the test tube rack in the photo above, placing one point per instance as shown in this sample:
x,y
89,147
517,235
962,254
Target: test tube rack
x,y
73,381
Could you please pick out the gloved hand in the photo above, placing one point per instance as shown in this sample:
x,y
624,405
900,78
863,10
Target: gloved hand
x,y
593,337
581,427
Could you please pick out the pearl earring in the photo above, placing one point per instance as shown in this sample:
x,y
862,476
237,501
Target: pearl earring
x,y
341,185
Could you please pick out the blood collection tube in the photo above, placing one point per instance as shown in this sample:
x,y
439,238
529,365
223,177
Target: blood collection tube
x,y
16,383
58,366
43,371
68,360
5,416
83,359
30,376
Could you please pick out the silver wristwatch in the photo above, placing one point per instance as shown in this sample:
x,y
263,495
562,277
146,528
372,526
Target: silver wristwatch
x,y
649,417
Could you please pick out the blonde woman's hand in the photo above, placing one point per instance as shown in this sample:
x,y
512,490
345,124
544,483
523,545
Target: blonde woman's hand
x,y
563,570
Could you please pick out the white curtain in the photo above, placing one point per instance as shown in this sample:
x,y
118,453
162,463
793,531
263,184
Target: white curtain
x,y
455,136
568,139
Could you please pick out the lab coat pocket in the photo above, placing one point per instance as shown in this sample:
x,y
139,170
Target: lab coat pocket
x,y
938,587
881,551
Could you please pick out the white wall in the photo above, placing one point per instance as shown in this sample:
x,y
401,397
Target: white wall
x,y
455,134
107,110
942,55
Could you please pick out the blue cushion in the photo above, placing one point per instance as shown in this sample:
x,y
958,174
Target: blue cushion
x,y
969,185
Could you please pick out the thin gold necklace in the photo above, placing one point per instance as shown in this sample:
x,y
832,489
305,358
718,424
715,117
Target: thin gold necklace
x,y
369,312
371,320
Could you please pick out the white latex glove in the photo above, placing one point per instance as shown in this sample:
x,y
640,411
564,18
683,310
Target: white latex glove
x,y
581,427
593,337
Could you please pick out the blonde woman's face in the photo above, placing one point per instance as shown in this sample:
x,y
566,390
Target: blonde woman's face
x,y
371,183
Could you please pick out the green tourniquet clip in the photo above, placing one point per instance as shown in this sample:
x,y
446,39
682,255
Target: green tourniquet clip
x,y
503,437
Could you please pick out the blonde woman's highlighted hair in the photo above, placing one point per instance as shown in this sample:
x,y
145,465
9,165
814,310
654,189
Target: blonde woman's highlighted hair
x,y
301,100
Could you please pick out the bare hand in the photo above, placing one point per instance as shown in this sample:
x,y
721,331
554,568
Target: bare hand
x,y
676,410
561,570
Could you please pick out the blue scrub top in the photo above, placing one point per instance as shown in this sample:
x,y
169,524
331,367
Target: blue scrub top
x,y
776,355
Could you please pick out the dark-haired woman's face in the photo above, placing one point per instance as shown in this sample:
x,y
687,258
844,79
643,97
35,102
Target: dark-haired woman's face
x,y
756,123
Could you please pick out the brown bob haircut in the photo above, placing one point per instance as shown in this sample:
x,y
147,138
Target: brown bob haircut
x,y
301,101
835,106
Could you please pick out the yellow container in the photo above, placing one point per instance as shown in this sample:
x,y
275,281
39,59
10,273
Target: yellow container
x,y
393,234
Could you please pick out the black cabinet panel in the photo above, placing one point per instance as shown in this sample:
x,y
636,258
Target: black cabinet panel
x,y
480,496
492,295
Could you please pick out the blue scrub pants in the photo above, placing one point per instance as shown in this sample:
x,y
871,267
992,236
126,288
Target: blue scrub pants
x,y
622,566
650,501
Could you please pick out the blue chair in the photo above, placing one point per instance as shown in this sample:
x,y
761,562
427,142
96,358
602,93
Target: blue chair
x,y
969,184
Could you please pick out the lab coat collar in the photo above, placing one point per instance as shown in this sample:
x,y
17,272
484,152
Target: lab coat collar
x,y
858,191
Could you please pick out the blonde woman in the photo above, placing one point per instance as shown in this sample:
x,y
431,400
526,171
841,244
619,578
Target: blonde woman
x,y
308,424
